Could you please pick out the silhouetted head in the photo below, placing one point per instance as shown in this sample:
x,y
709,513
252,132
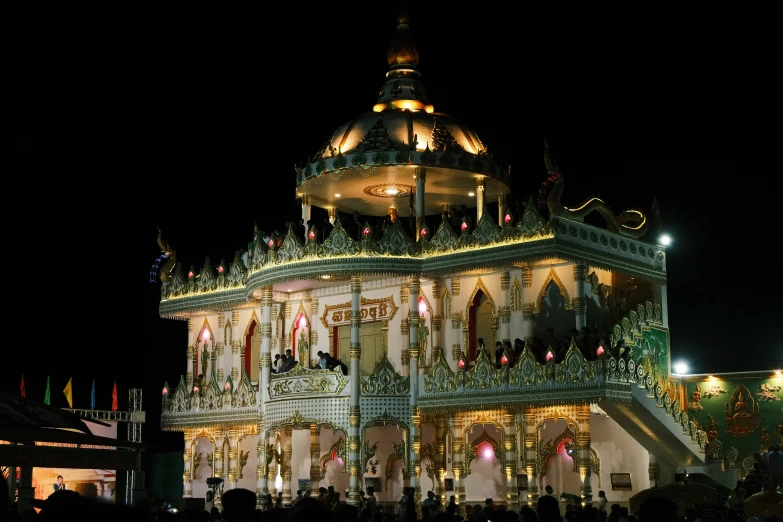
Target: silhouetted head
x,y
239,504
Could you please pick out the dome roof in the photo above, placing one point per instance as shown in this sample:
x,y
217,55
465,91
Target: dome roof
x,y
375,155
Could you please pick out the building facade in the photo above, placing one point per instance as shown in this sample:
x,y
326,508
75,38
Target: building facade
x,y
579,393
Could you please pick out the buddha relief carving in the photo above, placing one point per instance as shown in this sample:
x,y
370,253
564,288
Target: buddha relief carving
x,y
741,416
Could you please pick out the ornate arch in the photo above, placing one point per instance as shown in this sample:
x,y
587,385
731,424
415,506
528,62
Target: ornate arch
x,y
550,449
472,450
294,323
208,328
382,420
336,450
253,317
400,454
480,286
552,277
516,296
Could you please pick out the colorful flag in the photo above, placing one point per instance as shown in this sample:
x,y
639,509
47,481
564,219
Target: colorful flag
x,y
69,393
21,387
92,396
48,396
114,398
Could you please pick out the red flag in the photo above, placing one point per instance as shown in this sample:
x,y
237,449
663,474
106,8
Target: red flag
x,y
114,398
21,387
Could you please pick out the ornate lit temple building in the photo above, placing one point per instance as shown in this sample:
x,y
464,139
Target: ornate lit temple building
x,y
486,353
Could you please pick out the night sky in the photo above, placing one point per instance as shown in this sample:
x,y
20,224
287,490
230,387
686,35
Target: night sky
x,y
209,117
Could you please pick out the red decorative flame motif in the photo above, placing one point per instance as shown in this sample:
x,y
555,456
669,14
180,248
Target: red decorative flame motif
x,y
464,225
461,364
190,275
228,386
195,389
165,392
549,356
220,269
507,219
423,232
600,350
366,231
311,235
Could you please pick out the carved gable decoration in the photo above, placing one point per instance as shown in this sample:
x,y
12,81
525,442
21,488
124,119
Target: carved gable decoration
x,y
395,241
577,368
260,252
207,280
445,238
302,382
441,378
483,375
376,139
180,401
237,273
382,309
487,230
212,398
443,141
244,395
532,222
339,242
527,370
385,381
177,285
292,248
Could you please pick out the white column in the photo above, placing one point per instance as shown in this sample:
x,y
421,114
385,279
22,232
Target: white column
x,y
479,199
580,302
511,465
504,317
265,370
233,458
261,484
527,303
458,461
217,460
531,456
187,469
307,207
286,470
437,319
421,180
414,288
354,437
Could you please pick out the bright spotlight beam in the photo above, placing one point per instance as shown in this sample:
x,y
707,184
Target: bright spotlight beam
x,y
681,368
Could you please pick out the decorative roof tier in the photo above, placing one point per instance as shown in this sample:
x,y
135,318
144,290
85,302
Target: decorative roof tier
x,y
369,163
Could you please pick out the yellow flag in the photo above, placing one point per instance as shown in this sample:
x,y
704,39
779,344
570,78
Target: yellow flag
x,y
69,393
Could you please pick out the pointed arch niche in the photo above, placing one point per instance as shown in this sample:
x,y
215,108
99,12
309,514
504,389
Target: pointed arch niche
x,y
480,313
252,351
425,312
205,339
300,336
553,308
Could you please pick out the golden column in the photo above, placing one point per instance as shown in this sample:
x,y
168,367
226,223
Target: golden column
x,y
315,458
405,331
531,455
187,469
414,287
261,463
504,315
313,332
286,465
440,463
236,354
437,319
583,451
480,185
191,373
217,460
233,457
354,415
580,301
458,460
510,445
271,473
527,303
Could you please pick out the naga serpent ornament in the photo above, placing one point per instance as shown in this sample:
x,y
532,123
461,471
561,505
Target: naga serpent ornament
x,y
167,253
631,222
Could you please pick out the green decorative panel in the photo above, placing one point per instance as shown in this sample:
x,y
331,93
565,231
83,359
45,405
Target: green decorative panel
x,y
653,346
744,414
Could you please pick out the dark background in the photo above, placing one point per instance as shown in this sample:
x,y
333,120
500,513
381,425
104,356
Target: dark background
x,y
193,122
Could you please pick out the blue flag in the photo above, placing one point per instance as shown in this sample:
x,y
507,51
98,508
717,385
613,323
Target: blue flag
x,y
92,396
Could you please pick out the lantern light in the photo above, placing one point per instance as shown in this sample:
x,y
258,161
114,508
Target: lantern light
x,y
271,243
366,231
507,219
165,391
423,232
302,322
464,225
504,359
549,356
190,274
220,269
488,453
600,350
228,386
461,363
311,235
195,389
422,306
